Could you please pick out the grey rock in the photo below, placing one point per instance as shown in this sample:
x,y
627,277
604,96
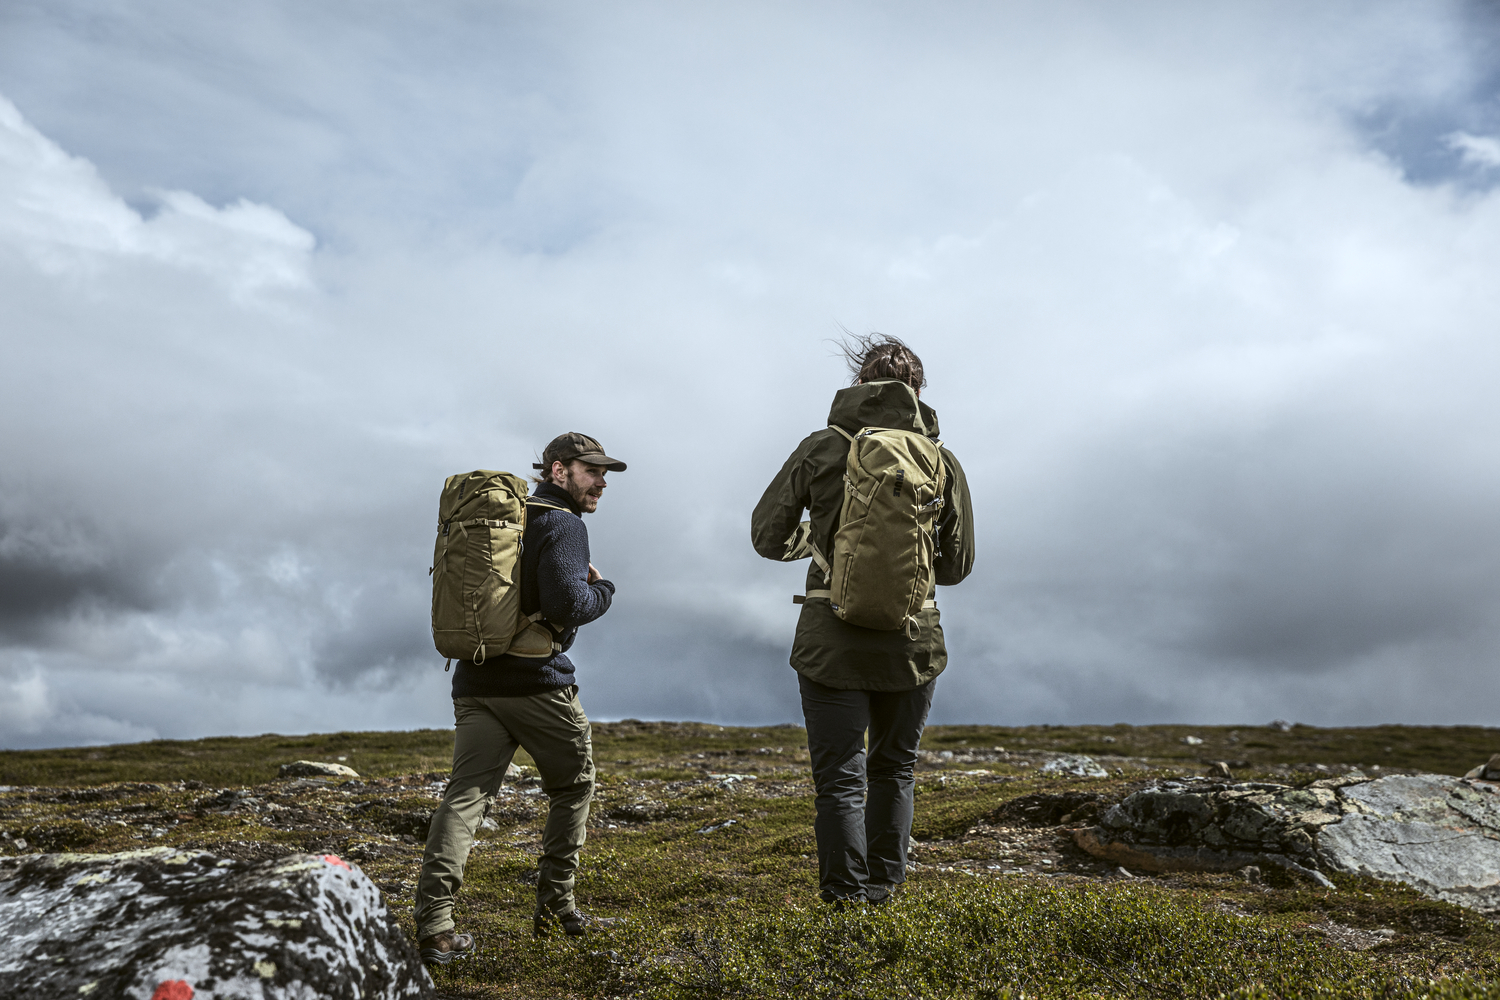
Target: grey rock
x,y
716,827
122,925
1489,771
1437,833
1077,765
315,769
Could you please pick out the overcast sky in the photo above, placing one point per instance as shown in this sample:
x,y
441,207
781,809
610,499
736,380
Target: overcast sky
x,y
1207,296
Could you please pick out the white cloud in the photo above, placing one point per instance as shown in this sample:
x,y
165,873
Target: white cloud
x,y
1478,150
60,213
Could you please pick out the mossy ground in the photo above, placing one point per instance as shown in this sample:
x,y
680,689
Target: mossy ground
x,y
999,902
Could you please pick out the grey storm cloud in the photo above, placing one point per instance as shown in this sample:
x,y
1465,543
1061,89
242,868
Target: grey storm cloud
x,y
1205,296
39,591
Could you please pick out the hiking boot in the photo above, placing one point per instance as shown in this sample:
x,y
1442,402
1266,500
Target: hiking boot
x,y
444,946
879,893
575,923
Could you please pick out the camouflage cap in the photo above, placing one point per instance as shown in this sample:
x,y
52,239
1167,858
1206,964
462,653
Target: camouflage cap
x,y
566,447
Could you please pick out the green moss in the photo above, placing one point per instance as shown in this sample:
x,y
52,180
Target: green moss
x,y
994,940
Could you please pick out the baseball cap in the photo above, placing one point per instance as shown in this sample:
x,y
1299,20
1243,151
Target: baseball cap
x,y
566,447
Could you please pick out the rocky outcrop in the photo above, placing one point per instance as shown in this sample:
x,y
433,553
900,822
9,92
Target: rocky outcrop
x,y
165,923
1437,833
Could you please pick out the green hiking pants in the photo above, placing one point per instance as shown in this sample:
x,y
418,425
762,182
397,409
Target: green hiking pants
x,y
552,728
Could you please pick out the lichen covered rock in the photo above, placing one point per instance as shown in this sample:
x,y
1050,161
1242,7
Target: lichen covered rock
x,y
1078,765
1437,833
165,923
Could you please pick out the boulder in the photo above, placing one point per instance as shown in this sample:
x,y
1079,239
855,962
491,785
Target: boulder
x,y
1437,833
168,923
315,769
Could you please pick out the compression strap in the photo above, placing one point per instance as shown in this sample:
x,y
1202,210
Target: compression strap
x,y
490,522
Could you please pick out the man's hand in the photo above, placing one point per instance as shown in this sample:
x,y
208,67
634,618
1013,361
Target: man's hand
x,y
594,575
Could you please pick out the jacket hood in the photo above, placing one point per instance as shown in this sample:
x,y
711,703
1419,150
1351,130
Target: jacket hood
x,y
886,403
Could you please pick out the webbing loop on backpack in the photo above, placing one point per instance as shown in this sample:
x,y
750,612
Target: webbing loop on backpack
x,y
914,627
863,498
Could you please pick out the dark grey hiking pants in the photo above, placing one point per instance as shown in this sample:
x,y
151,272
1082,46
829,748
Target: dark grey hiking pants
x,y
862,839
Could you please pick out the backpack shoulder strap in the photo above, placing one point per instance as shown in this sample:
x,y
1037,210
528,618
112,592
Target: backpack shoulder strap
x,y
818,557
535,501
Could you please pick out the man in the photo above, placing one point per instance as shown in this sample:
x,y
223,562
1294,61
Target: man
x,y
855,679
515,701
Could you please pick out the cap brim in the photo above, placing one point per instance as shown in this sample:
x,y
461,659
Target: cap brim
x,y
599,458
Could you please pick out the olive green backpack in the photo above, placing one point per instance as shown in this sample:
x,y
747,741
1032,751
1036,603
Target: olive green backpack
x,y
476,570
883,550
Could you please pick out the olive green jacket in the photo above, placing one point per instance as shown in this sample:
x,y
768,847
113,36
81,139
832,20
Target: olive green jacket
x,y
828,650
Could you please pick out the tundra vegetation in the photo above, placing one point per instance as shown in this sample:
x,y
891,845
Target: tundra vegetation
x,y
701,836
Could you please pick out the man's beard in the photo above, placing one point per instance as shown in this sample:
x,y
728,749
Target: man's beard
x,y
580,494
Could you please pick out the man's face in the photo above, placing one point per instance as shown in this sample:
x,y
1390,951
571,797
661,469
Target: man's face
x,y
584,482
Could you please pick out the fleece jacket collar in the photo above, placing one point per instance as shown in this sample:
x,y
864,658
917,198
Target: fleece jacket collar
x,y
557,494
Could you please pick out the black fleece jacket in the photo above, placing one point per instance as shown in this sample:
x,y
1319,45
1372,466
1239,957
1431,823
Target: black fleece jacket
x,y
554,581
